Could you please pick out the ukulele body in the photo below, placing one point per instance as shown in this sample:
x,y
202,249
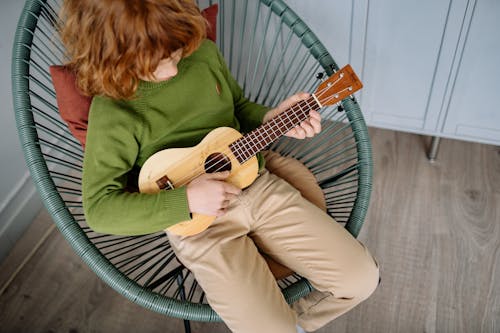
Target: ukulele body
x,y
176,167
173,168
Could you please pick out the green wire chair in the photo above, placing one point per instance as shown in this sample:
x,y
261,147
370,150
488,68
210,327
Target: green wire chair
x,y
272,54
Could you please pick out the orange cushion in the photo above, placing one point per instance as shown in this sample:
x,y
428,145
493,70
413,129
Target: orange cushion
x,y
74,106
210,14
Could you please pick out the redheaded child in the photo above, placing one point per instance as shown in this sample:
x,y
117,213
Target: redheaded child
x,y
158,83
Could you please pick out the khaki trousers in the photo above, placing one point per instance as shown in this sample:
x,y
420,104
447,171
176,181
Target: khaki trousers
x,y
272,216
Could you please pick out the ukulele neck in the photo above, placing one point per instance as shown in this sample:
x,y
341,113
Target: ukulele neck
x,y
258,139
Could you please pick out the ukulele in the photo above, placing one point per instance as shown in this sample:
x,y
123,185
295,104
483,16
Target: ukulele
x,y
226,149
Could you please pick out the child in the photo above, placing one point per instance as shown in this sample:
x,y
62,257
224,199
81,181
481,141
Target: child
x,y
158,84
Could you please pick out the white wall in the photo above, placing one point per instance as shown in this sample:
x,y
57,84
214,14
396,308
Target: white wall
x,y
419,61
19,202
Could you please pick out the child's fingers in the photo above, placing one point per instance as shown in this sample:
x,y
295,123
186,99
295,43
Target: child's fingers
x,y
287,103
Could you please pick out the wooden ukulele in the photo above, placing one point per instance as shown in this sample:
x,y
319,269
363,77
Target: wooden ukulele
x,y
227,149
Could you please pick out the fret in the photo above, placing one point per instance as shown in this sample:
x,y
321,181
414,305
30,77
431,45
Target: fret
x,y
294,113
312,104
253,140
234,150
239,149
246,150
255,148
272,129
302,110
291,121
258,139
277,126
271,132
305,112
284,122
268,131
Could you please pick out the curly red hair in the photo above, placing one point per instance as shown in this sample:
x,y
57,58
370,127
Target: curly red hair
x,y
113,43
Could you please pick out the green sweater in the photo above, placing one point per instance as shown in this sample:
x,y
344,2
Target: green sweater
x,y
175,113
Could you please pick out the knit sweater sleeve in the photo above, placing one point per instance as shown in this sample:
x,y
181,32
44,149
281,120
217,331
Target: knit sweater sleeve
x,y
249,114
111,150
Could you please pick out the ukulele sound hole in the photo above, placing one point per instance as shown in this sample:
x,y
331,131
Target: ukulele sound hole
x,y
217,162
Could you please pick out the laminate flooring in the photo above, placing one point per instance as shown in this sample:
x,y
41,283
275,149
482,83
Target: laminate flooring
x,y
434,228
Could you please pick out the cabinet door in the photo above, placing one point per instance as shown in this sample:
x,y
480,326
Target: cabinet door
x,y
473,111
403,42
393,46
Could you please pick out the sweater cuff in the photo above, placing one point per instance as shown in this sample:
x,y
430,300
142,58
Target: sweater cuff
x,y
262,112
176,204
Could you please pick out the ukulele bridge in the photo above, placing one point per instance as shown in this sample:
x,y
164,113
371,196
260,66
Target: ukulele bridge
x,y
164,183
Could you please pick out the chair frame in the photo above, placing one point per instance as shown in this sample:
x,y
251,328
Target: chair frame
x,y
22,81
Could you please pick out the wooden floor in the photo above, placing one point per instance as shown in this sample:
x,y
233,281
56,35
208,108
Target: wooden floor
x,y
435,229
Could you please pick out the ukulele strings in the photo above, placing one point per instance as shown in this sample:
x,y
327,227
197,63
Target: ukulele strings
x,y
227,150
327,87
318,96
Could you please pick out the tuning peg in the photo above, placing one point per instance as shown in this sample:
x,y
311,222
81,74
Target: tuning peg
x,y
320,76
340,108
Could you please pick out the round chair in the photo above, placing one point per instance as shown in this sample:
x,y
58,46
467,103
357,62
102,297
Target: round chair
x,y
272,54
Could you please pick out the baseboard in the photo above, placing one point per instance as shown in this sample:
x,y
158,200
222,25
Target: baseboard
x,y
17,213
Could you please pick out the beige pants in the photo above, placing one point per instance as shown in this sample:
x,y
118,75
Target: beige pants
x,y
272,216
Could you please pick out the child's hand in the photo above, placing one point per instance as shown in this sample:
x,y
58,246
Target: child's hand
x,y
210,195
307,128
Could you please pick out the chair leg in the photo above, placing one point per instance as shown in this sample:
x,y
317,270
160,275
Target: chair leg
x,y
182,294
433,151
187,326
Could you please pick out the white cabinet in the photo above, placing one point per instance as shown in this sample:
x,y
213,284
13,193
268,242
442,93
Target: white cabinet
x,y
473,111
429,67
402,46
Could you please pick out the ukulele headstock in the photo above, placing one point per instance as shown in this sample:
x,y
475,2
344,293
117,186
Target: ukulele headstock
x,y
338,86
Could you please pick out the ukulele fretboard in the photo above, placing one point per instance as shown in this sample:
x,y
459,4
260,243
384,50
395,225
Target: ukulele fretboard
x,y
258,139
